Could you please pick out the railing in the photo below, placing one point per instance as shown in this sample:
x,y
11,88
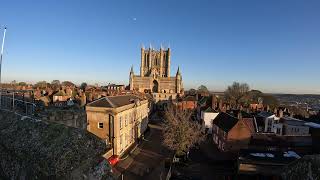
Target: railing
x,y
9,102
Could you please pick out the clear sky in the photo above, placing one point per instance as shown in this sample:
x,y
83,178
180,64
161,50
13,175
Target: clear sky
x,y
273,45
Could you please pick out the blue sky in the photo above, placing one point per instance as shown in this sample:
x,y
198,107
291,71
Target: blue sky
x,y
273,45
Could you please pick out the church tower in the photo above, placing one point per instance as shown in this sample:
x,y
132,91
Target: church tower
x,y
153,61
155,77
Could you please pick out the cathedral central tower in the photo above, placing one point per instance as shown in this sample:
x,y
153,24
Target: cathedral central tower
x,y
155,62
155,75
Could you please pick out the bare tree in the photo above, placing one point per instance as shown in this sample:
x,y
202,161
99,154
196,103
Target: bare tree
x,y
236,92
55,84
41,84
180,132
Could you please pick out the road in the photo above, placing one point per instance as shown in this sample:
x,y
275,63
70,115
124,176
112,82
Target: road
x,y
147,160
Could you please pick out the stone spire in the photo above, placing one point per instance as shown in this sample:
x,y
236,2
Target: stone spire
x,y
131,78
178,72
131,70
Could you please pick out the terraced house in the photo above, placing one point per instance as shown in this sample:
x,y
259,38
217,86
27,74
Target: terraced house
x,y
119,120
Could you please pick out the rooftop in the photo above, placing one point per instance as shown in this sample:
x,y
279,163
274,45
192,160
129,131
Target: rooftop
x,y
265,114
115,101
225,121
293,121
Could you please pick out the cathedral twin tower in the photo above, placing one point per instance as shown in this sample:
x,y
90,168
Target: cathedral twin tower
x,y
155,75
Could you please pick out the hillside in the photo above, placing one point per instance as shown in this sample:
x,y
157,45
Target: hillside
x,y
37,150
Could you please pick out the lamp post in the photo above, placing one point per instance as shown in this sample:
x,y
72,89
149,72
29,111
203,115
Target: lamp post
x,y
1,56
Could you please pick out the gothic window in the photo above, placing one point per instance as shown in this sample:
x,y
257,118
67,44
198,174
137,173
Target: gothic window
x,y
155,86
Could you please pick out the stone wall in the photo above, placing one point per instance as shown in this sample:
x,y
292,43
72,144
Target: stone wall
x,y
33,149
71,117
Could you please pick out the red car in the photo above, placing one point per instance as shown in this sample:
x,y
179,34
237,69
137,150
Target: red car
x,y
113,160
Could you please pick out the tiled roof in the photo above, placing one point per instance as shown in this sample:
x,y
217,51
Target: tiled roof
x,y
203,100
114,101
225,121
189,98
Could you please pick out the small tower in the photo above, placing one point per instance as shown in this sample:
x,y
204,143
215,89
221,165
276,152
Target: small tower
x,y
168,62
142,65
178,80
131,78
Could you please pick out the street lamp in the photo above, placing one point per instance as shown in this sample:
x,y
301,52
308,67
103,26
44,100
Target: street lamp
x,y
1,56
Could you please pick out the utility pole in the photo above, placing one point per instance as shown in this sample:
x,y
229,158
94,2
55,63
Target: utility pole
x,y
1,56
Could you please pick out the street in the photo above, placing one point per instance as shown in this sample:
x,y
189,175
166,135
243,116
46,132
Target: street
x,y
147,160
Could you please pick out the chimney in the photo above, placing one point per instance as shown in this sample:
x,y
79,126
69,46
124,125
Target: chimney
x,y
228,107
220,104
214,102
280,113
224,108
240,115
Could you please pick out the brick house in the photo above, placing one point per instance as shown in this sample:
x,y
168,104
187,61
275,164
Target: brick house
x,y
230,133
187,103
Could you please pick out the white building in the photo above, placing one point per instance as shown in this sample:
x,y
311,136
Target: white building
x,y
208,115
294,127
271,122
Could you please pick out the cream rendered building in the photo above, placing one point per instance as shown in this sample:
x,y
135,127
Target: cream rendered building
x,y
120,120
155,75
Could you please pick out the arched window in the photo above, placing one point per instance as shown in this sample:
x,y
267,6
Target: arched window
x,y
155,86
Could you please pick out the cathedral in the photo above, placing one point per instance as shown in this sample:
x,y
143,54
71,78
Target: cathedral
x,y
155,75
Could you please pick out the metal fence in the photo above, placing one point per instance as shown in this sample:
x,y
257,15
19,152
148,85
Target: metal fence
x,y
8,101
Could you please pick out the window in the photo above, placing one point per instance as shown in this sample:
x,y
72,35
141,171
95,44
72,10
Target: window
x,y
120,122
126,140
131,134
121,143
100,125
131,118
126,120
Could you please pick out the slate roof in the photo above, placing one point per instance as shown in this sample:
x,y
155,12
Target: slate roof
x,y
114,101
293,121
203,100
225,121
260,121
235,113
209,109
265,114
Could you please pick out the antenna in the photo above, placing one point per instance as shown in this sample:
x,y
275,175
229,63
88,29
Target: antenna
x,y
4,36
1,56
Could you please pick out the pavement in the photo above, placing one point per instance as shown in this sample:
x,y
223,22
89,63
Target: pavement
x,y
147,159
